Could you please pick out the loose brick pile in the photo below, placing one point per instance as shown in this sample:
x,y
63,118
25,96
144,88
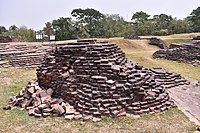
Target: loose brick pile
x,y
89,81
22,55
185,52
39,102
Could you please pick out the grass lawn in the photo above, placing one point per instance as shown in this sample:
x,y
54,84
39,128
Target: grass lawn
x,y
171,121
169,41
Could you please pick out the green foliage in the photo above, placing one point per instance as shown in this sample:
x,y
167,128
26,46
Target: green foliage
x,y
159,25
2,29
22,33
178,26
13,28
48,29
114,26
162,21
92,23
64,29
145,28
140,17
163,32
194,19
90,18
80,30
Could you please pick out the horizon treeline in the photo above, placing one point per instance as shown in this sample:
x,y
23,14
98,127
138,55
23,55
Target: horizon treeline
x,y
88,23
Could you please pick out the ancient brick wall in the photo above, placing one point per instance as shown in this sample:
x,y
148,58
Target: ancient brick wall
x,y
22,55
185,52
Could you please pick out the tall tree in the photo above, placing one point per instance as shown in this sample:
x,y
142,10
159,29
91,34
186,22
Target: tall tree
x,y
80,30
194,18
162,21
113,26
179,26
64,29
2,29
13,28
140,17
145,28
48,29
22,33
90,18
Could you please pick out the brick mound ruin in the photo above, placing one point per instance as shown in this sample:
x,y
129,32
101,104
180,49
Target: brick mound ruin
x,y
22,55
168,79
89,81
157,42
188,52
5,39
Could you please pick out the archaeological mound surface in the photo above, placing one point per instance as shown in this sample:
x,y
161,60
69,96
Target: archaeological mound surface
x,y
83,81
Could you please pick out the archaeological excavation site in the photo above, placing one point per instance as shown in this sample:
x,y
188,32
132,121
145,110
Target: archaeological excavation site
x,y
188,52
88,80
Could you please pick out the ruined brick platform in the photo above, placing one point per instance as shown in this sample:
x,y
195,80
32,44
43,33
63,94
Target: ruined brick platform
x,y
188,52
87,81
22,55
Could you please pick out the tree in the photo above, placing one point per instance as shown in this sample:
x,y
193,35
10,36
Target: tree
x,y
80,30
13,28
140,17
64,29
142,24
22,33
114,26
162,21
48,29
145,28
194,18
90,18
178,26
2,29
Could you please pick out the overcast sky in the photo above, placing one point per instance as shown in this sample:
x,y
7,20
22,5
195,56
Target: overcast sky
x,y
35,13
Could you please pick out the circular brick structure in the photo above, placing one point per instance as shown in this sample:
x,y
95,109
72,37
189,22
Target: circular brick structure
x,y
98,80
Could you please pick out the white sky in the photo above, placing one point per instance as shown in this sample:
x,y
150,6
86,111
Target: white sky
x,y
35,13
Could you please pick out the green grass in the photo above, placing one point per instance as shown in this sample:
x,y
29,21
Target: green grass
x,y
174,40
146,60
185,35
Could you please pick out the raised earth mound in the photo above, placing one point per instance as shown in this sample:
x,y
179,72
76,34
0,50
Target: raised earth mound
x,y
188,52
89,81
157,42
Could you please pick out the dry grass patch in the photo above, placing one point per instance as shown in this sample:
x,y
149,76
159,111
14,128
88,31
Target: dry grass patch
x,y
168,42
